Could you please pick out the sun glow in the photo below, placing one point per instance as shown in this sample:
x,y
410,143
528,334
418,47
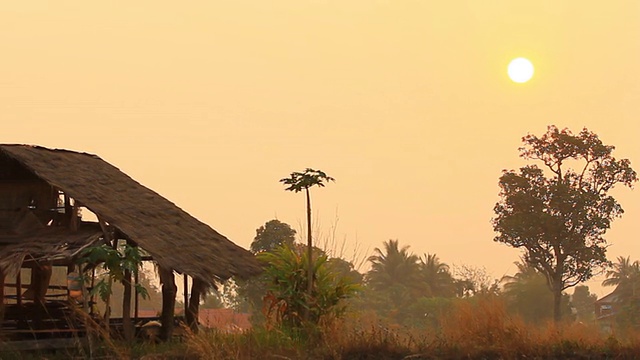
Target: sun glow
x,y
520,70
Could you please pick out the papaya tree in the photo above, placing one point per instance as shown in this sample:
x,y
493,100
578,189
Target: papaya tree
x,y
299,181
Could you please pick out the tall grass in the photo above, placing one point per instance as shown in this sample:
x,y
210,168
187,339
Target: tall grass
x,y
472,329
480,329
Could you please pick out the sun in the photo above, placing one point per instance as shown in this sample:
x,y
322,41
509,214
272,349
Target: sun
x,y
520,70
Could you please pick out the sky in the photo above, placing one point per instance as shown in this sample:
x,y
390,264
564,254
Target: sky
x,y
406,103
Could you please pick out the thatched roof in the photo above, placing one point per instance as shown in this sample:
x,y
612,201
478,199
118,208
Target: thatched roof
x,y
174,238
48,244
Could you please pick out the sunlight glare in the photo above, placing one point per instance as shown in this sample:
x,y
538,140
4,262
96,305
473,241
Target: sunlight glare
x,y
520,70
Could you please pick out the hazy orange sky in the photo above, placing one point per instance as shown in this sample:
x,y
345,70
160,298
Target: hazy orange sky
x,y
406,103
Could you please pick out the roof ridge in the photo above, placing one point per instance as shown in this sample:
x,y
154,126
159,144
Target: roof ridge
x,y
40,147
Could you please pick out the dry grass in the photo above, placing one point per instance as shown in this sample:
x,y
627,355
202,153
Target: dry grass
x,y
473,330
480,329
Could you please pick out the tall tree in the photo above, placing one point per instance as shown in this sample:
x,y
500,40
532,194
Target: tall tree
x,y
557,214
299,181
271,235
436,276
250,292
395,270
625,276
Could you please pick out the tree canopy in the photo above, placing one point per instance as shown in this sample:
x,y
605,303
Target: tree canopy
x,y
559,214
273,234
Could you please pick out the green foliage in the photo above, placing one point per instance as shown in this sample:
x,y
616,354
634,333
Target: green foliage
x,y
115,262
526,293
399,282
559,216
472,281
250,292
272,235
625,276
436,276
299,181
344,269
395,268
583,302
628,317
287,300
303,181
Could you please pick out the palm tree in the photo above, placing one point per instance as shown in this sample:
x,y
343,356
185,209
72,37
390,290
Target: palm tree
x,y
625,276
436,276
394,277
527,294
394,268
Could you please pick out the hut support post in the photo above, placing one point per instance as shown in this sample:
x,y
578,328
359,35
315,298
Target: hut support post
x,y
1,295
106,231
185,286
87,305
197,289
126,307
169,291
136,300
19,288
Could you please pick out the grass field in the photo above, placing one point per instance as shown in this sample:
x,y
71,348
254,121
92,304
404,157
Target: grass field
x,y
478,330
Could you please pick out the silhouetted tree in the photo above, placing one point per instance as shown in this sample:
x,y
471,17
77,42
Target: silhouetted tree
x,y
271,235
560,220
396,272
436,276
472,281
583,302
250,292
625,276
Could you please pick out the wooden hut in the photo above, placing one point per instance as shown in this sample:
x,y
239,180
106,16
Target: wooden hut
x,y
41,192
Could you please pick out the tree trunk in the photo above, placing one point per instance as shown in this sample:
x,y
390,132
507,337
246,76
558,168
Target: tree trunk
x,y
557,302
197,288
126,307
169,291
310,256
